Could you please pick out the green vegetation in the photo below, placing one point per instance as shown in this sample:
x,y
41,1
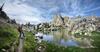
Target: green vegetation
x,y
29,43
96,39
8,35
56,48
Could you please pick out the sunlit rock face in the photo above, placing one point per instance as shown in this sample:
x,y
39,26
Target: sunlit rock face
x,y
58,20
91,23
66,21
76,25
86,25
98,24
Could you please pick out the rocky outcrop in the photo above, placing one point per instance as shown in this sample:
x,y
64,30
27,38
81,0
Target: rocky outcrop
x,y
66,21
85,25
78,24
3,14
58,20
73,25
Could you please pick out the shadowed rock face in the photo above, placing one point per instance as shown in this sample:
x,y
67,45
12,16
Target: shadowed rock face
x,y
2,13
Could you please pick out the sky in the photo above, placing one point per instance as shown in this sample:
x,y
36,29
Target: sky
x,y
37,11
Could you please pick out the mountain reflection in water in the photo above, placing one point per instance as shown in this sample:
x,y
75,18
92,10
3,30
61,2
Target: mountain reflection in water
x,y
62,38
59,38
51,39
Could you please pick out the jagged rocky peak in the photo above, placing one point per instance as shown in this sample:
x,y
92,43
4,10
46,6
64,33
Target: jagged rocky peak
x,y
58,20
66,21
2,13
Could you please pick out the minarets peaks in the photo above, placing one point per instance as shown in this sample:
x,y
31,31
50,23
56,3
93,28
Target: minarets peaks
x,y
1,8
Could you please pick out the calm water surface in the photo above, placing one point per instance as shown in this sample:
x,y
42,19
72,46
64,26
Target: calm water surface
x,y
59,38
63,39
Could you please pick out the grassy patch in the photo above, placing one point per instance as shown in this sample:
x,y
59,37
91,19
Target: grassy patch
x,y
96,37
8,34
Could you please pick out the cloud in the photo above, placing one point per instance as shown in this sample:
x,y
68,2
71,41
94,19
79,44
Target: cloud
x,y
93,9
73,7
23,12
26,19
1,2
36,11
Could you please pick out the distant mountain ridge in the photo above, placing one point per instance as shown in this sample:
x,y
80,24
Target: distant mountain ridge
x,y
90,23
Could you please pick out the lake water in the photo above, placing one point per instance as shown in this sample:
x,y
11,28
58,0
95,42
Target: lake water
x,y
63,42
63,39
